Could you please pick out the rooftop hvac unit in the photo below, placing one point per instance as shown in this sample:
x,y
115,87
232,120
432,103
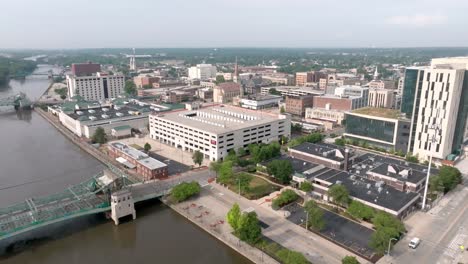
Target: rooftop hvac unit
x,y
369,192
105,116
105,109
79,112
338,182
117,107
379,189
119,114
92,111
131,112
368,186
92,118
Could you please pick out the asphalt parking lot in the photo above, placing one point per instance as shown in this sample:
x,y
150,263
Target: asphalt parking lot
x,y
173,166
345,232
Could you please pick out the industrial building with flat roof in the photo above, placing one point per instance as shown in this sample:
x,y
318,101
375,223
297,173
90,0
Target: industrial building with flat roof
x,y
84,120
149,168
329,155
216,130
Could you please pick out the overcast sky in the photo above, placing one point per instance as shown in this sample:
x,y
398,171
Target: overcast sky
x,y
232,23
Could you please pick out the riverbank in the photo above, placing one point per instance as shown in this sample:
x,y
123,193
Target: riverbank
x,y
215,225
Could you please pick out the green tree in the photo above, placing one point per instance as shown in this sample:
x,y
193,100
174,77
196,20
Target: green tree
x,y
281,170
225,172
350,260
197,157
339,194
340,142
184,191
286,197
249,229
436,184
282,110
291,257
99,136
243,181
147,147
220,79
273,91
130,87
306,186
215,166
232,156
450,177
315,219
360,210
233,217
381,237
385,220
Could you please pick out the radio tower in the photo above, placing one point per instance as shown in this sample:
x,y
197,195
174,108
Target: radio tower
x,y
133,61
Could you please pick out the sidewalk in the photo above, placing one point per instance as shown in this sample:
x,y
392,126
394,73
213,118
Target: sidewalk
x,y
200,212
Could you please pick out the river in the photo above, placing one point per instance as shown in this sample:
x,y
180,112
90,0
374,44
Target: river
x,y
37,160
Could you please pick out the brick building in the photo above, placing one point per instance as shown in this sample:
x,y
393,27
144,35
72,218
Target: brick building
x,y
297,105
132,158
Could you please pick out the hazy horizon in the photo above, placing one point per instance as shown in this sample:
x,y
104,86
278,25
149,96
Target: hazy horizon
x,y
54,24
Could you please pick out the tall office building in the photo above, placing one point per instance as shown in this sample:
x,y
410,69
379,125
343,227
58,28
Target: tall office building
x,y
437,96
95,87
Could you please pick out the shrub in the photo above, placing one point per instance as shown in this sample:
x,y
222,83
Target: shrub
x,y
184,191
286,197
306,186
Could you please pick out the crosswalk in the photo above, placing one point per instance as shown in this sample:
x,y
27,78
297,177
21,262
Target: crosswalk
x,y
454,247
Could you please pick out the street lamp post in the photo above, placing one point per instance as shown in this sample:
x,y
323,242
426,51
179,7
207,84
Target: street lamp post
x,y
389,243
307,220
436,129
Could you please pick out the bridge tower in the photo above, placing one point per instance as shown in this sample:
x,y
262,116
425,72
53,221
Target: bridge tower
x,y
122,204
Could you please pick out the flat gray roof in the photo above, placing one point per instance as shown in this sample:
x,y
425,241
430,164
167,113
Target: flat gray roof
x,y
139,156
219,119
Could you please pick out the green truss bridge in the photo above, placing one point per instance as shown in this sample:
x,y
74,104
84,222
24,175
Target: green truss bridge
x,y
89,197
18,101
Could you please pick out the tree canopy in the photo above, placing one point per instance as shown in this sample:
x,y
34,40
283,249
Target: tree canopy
x,y
99,136
315,219
264,152
233,217
130,87
280,169
249,229
306,186
349,260
197,157
291,257
285,197
147,147
448,178
220,79
311,138
225,173
184,191
360,210
386,227
339,194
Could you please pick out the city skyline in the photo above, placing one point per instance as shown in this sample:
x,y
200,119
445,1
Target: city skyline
x,y
210,23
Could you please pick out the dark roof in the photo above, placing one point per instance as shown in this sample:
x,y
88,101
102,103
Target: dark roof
x,y
414,176
375,160
320,150
367,190
299,166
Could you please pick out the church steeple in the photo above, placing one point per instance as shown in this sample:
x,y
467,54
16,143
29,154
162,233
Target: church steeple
x,y
236,72
376,73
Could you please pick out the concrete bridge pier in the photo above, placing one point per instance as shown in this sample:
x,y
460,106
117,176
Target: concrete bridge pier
x,y
122,204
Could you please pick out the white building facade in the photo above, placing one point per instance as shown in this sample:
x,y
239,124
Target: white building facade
x,y
97,87
214,131
442,104
202,72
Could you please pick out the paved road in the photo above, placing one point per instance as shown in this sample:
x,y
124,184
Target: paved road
x,y
441,230
315,248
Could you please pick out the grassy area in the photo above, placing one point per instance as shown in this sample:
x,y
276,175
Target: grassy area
x,y
280,253
258,188
136,146
380,112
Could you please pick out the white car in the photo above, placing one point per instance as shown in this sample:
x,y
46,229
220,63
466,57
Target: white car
x,y
414,243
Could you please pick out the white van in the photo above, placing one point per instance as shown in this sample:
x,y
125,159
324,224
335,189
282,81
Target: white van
x,y
414,242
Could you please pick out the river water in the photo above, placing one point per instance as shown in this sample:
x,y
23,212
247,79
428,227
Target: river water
x,y
37,160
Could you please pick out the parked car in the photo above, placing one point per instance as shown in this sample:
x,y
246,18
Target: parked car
x,y
414,243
